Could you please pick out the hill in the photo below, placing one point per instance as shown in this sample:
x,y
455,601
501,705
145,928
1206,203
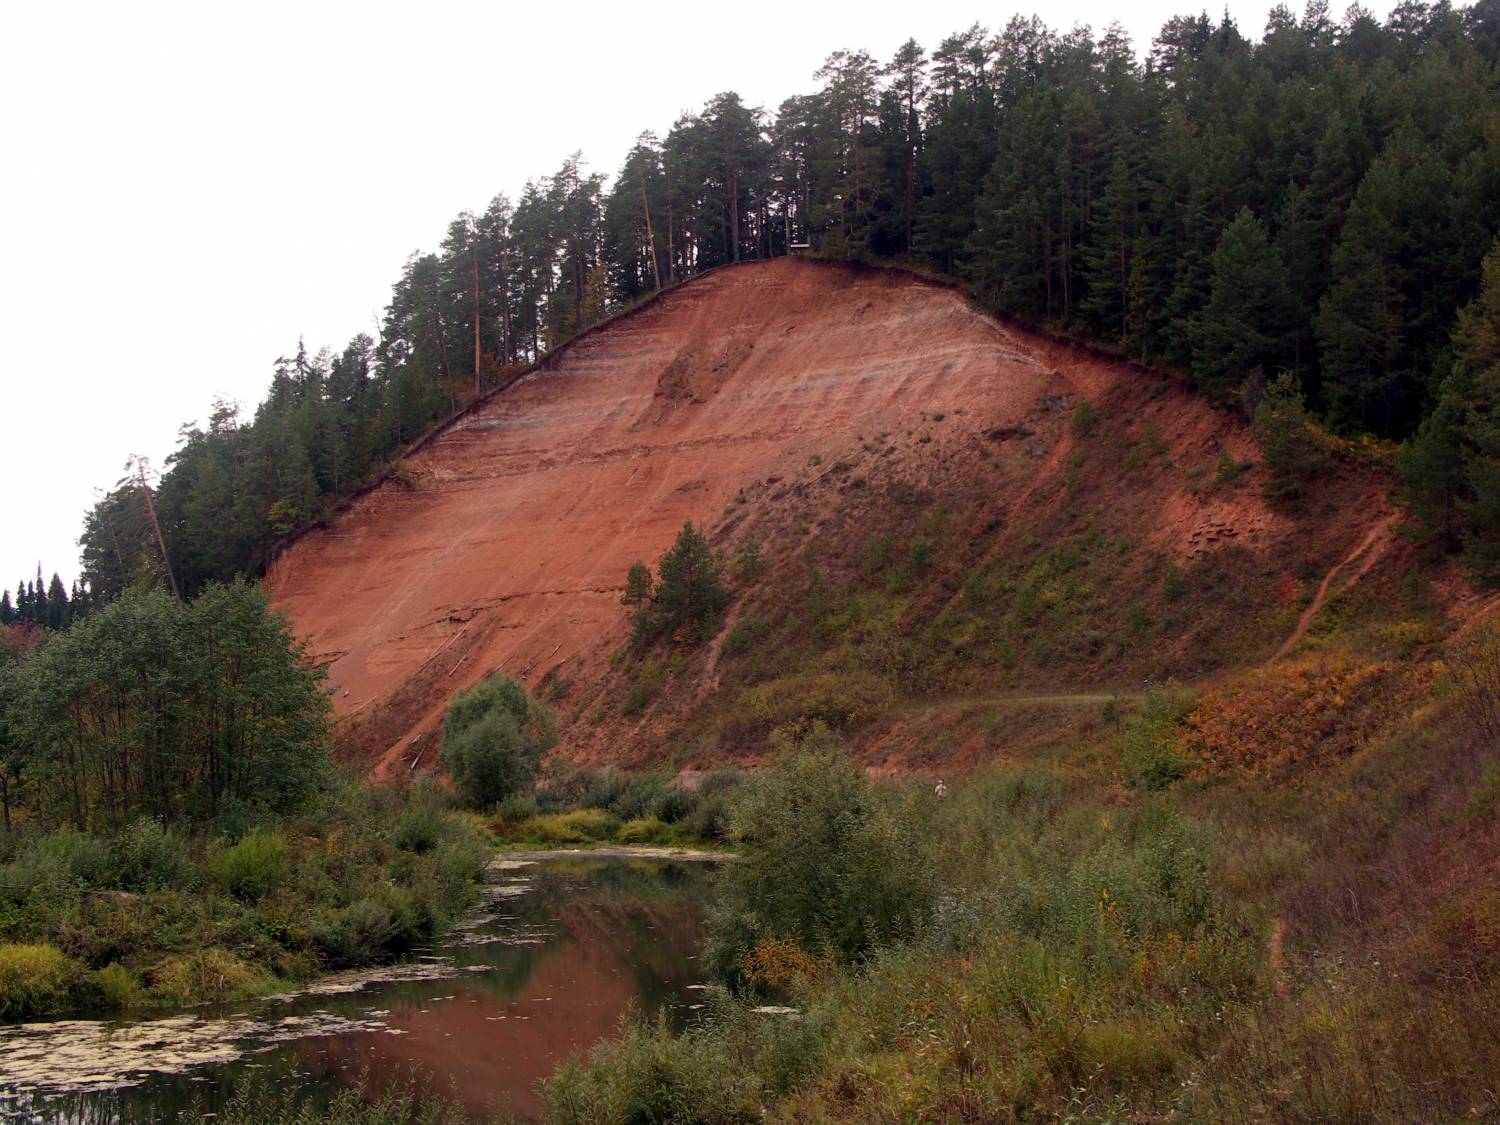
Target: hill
x,y
945,507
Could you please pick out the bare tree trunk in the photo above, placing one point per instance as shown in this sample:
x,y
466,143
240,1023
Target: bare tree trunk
x,y
508,345
161,543
580,284
443,356
650,238
734,218
911,162
671,249
475,257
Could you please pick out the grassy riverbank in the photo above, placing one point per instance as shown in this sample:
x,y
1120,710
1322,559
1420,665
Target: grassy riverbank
x,y
360,876
1105,930
1077,937
587,808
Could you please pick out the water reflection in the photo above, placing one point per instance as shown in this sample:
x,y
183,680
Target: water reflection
x,y
548,968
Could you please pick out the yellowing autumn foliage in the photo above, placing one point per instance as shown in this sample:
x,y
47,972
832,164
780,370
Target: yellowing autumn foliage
x,y
1273,721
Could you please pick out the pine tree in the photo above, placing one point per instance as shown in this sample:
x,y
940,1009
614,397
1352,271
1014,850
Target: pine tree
x,y
1243,326
40,611
1284,429
960,139
1013,250
902,127
1111,250
1397,273
635,222
639,586
1434,465
846,166
1299,241
733,157
58,615
1476,384
689,593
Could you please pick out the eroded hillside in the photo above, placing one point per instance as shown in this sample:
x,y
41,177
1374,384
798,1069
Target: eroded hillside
x,y
946,507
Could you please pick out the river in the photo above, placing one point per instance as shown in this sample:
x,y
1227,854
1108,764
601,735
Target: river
x,y
559,948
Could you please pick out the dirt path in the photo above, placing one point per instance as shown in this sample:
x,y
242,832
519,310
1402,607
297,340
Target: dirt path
x,y
1366,553
1005,699
1276,956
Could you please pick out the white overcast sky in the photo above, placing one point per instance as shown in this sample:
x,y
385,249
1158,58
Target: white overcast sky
x,y
187,189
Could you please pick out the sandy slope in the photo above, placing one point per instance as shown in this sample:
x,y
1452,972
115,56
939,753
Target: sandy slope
x,y
510,550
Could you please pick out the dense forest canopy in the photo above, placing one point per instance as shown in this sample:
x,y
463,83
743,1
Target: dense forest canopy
x,y
1318,202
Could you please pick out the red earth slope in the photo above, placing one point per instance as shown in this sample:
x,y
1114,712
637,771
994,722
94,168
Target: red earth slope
x,y
508,548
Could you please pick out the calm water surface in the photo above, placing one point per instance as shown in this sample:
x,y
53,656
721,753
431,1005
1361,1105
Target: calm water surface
x,y
558,951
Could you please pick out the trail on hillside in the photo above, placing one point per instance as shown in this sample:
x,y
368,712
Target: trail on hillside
x,y
1366,553
1012,699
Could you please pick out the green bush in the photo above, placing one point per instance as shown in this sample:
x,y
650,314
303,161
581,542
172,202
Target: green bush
x,y
62,859
641,795
150,856
358,934
684,813
494,736
643,688
252,867
712,804
1173,584
376,928
643,830
363,876
1148,744
117,987
35,979
1227,470
517,808
674,803
820,861
601,789
920,559
748,565
747,633
581,826
420,829
650,1075
210,974
1085,418
834,698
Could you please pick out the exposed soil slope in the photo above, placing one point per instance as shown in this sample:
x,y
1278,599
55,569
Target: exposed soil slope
x,y
787,396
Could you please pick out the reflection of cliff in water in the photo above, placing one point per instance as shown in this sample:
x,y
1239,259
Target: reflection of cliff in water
x,y
619,933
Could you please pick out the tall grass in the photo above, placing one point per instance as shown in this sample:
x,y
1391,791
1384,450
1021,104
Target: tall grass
x,y
259,1102
1175,948
582,807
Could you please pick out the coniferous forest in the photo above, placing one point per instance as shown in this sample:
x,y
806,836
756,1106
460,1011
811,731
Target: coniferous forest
x,y
1317,200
